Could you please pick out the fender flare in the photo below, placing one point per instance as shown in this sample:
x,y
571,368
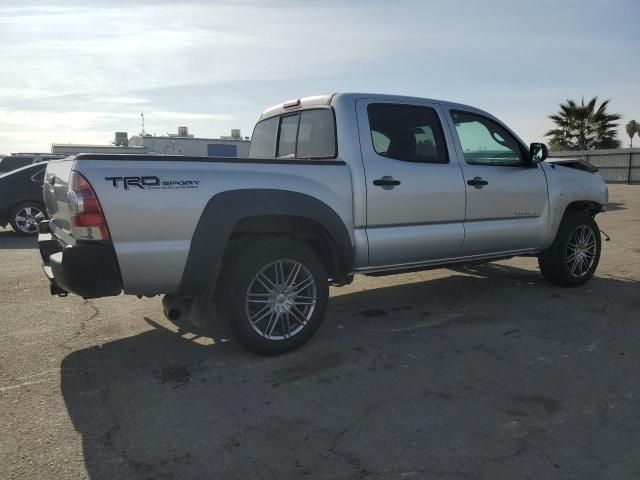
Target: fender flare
x,y
223,212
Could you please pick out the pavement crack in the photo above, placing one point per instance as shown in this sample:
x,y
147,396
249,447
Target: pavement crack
x,y
83,326
509,332
347,456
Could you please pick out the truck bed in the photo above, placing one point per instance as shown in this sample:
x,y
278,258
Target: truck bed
x,y
153,203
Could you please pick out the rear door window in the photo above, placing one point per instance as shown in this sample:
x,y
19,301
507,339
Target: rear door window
x,y
407,132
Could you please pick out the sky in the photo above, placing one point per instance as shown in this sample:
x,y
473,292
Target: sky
x,y
77,71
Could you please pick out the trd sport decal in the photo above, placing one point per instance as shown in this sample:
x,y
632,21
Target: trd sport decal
x,y
151,182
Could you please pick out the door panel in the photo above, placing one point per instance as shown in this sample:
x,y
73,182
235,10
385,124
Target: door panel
x,y
421,217
509,213
507,202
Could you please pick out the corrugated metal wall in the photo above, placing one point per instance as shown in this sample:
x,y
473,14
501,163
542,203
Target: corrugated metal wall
x,y
621,165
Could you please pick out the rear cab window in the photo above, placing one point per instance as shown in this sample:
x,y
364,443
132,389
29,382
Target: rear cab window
x,y
308,134
263,140
288,132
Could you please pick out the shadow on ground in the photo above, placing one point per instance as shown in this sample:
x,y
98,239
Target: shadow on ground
x,y
489,374
11,240
613,206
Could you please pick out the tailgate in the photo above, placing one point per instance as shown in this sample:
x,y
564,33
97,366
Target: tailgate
x,y
56,188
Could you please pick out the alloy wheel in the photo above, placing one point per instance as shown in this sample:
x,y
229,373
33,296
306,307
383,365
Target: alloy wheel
x,y
281,299
581,251
28,218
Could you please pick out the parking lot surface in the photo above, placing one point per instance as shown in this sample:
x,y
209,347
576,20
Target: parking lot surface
x,y
485,372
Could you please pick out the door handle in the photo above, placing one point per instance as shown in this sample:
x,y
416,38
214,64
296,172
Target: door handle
x,y
477,182
386,182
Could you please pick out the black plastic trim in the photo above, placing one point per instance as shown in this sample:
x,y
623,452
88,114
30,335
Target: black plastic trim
x,y
44,226
223,212
86,269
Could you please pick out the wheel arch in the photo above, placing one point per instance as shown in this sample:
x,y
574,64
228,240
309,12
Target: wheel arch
x,y
299,228
23,201
589,207
232,216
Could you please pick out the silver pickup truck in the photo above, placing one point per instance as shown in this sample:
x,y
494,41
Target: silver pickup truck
x,y
335,185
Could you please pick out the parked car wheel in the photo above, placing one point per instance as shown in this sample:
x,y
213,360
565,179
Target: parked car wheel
x,y
573,257
273,295
25,218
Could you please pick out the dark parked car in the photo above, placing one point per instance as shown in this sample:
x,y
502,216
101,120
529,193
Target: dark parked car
x,y
12,162
21,202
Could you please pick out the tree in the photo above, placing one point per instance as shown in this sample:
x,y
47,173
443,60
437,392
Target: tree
x,y
632,127
584,126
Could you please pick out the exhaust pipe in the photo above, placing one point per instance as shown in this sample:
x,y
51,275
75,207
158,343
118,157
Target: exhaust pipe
x,y
171,309
198,311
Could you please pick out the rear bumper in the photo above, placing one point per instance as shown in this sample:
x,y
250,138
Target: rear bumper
x,y
86,269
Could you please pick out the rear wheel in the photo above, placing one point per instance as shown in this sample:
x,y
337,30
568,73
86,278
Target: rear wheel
x,y
573,257
25,218
273,295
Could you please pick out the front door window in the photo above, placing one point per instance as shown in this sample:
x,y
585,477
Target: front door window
x,y
484,142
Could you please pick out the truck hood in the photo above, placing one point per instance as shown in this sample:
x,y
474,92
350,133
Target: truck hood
x,y
573,162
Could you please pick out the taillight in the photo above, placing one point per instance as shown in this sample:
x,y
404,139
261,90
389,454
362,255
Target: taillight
x,y
87,219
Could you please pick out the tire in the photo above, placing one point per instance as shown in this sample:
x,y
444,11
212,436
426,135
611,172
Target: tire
x,y
565,264
25,217
260,311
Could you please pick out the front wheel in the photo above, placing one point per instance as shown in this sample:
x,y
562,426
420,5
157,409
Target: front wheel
x,y
273,295
573,257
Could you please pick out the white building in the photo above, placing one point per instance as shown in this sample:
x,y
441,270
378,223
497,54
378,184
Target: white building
x,y
75,148
181,143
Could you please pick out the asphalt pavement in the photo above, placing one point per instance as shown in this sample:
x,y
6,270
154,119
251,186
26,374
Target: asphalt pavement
x,y
484,372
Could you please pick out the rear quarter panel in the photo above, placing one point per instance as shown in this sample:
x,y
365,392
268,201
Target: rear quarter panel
x,y
55,191
152,228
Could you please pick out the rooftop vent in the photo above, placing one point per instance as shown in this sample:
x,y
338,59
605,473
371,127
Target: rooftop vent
x,y
121,140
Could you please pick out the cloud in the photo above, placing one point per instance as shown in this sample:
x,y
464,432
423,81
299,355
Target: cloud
x,y
63,59
86,120
120,100
95,50
36,130
171,116
40,140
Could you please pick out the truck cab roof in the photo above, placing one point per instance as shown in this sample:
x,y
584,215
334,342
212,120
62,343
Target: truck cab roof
x,y
329,98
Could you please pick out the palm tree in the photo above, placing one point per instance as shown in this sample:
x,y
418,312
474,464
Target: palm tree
x,y
584,126
632,127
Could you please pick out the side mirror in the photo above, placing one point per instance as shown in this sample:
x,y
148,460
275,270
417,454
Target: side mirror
x,y
538,152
